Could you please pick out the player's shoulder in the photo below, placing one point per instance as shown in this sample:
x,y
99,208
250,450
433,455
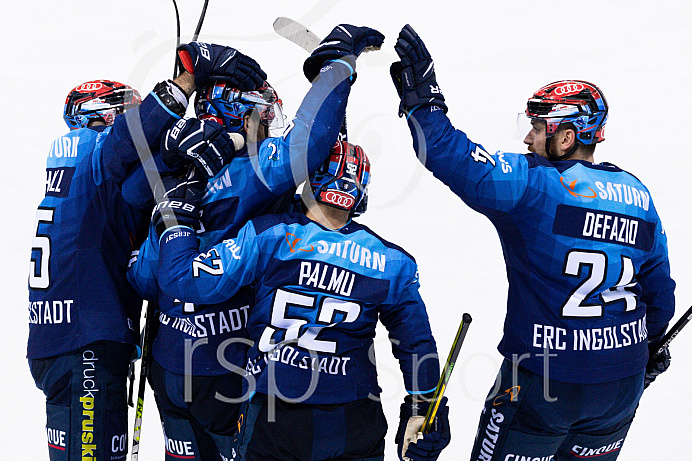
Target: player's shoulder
x,y
266,222
354,227
611,167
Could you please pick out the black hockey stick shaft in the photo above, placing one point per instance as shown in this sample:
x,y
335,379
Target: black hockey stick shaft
x,y
177,38
143,371
195,36
297,33
446,374
672,333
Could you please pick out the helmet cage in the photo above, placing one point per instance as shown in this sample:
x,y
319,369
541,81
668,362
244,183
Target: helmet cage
x,y
98,100
342,180
574,102
228,106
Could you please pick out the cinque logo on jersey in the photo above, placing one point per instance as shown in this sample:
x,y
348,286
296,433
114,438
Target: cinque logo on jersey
x,y
56,438
588,452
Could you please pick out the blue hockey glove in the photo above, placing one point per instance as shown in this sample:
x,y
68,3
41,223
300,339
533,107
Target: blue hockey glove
x,y
204,143
414,75
657,365
178,200
209,62
344,42
411,443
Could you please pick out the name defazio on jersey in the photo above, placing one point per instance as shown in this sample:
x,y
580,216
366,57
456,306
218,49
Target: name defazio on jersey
x,y
586,254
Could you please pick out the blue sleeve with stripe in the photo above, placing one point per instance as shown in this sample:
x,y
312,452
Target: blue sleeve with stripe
x,y
286,161
143,268
657,286
412,341
211,277
139,130
490,184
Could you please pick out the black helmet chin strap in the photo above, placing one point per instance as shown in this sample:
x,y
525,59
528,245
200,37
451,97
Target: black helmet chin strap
x,y
566,156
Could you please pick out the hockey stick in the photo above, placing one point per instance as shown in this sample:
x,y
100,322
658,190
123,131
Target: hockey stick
x,y
153,304
177,39
195,36
143,371
672,333
446,373
306,39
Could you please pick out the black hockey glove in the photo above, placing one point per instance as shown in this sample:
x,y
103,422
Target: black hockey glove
x,y
209,62
411,443
178,198
414,75
172,96
656,365
344,42
204,143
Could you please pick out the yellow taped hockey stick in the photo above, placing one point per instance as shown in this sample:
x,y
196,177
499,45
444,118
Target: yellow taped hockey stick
x,y
446,373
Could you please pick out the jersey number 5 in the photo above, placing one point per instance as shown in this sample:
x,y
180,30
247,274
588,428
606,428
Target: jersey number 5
x,y
40,279
597,263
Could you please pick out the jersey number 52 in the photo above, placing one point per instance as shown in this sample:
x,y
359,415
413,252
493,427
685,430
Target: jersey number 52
x,y
295,326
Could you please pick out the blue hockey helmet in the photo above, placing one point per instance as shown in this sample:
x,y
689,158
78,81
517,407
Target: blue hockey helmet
x,y
575,102
228,105
342,180
98,100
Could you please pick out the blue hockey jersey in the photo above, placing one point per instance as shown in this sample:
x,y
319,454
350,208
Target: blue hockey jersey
x,y
95,210
244,189
317,296
586,254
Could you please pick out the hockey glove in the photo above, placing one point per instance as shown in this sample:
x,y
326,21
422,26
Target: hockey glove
x,y
172,96
209,62
178,198
344,42
204,143
414,75
413,444
656,365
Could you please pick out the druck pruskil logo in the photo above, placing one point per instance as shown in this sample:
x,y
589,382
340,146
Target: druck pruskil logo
x,y
572,189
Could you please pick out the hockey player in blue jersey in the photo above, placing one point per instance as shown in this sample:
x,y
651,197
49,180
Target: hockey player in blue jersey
x,y
83,314
204,344
587,265
319,282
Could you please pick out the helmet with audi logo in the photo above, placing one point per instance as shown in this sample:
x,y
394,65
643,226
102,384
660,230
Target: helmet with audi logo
x,y
577,102
98,100
342,180
228,105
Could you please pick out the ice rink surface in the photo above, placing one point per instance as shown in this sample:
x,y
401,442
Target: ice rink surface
x,y
490,56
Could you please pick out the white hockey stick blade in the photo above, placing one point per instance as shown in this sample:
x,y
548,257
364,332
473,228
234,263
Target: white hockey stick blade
x,y
297,33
